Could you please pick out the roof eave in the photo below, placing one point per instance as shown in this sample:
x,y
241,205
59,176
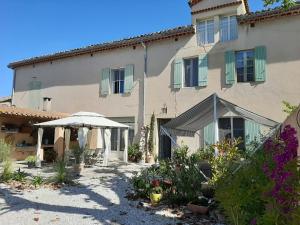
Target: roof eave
x,y
181,31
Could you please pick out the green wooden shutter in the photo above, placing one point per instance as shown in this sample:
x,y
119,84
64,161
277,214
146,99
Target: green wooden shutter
x,y
203,70
34,98
177,76
260,63
252,133
230,67
104,83
209,134
128,84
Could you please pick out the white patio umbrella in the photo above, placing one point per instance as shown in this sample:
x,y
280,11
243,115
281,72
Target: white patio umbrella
x,y
83,121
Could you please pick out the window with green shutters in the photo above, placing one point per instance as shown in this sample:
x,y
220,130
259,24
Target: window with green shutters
x,y
177,73
229,67
105,81
246,65
191,72
260,63
129,73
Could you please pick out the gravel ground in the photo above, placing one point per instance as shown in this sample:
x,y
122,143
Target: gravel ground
x,y
100,199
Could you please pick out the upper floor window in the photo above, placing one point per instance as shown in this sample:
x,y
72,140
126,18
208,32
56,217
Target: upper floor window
x,y
118,81
228,28
205,30
245,66
191,72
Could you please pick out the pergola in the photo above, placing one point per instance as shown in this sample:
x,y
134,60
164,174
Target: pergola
x,y
84,121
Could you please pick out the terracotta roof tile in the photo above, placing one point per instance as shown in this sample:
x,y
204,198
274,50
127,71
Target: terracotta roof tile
x,y
165,34
264,15
22,112
194,2
217,7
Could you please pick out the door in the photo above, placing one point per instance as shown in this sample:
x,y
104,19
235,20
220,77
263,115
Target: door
x,y
165,145
116,148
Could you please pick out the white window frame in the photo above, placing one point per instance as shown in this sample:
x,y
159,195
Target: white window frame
x,y
206,32
231,124
183,71
113,80
245,61
228,28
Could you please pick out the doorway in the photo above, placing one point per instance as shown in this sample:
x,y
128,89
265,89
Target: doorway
x,y
165,145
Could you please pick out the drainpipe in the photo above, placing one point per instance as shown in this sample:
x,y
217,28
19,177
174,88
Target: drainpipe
x,y
144,79
143,144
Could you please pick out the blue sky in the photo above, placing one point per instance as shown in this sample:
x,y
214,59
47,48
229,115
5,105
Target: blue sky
x,y
34,27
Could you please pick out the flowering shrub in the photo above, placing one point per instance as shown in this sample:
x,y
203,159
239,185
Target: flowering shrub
x,y
281,170
265,190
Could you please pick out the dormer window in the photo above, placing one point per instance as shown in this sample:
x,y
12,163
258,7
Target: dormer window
x,y
205,32
228,28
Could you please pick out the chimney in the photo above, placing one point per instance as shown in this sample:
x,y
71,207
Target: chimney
x,y
46,104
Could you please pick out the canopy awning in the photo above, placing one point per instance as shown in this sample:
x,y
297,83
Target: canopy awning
x,y
83,119
202,114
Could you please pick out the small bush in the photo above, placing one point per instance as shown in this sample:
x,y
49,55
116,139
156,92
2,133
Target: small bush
x,y
5,150
61,173
134,153
37,181
7,171
19,176
180,178
31,160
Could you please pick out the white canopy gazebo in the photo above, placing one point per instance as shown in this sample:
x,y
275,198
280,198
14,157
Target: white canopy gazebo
x,y
84,121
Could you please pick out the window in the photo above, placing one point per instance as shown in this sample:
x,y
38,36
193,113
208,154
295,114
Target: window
x,y
115,139
191,72
232,127
118,81
228,28
245,66
205,30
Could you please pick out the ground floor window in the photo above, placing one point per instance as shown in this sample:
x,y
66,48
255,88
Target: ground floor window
x,y
117,138
232,127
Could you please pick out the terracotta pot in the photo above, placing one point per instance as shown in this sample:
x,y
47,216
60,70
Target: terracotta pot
x,y
155,198
78,168
197,209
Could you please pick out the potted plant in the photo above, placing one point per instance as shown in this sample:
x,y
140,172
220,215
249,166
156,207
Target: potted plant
x,y
31,160
199,206
156,192
78,156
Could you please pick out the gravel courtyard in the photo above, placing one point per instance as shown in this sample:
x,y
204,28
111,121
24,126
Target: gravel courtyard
x,y
99,199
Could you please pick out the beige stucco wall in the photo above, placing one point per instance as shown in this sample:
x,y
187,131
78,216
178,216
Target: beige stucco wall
x,y
72,83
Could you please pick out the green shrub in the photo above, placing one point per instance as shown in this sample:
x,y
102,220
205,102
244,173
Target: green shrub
x,y
31,160
61,172
240,194
78,153
229,156
7,171
37,181
180,178
5,150
19,176
134,153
